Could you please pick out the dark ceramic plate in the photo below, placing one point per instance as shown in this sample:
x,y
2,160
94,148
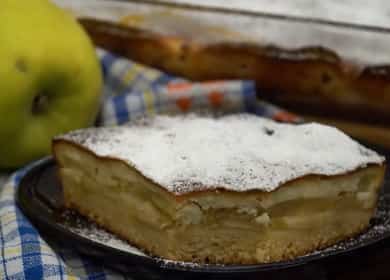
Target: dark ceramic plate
x,y
40,198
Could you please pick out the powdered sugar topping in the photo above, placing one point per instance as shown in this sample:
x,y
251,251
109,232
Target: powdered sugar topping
x,y
239,152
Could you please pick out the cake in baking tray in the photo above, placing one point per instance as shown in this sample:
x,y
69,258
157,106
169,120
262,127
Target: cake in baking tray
x,y
238,189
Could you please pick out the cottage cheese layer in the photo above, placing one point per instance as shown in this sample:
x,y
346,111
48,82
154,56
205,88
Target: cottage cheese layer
x,y
185,154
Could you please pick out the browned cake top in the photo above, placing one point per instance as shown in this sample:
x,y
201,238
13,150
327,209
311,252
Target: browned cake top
x,y
236,153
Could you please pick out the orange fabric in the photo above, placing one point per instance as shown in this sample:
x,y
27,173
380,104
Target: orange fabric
x,y
184,103
215,98
172,87
285,117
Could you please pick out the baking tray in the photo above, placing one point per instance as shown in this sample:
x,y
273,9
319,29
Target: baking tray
x,y
332,68
40,198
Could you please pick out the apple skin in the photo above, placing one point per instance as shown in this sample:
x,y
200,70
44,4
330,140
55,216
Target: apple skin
x,y
50,79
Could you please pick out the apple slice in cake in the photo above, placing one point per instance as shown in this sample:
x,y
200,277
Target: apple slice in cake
x,y
238,189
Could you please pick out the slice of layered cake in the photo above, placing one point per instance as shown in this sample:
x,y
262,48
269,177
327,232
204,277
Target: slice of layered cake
x,y
238,189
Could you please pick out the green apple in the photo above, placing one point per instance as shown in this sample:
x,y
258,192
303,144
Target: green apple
x,y
50,79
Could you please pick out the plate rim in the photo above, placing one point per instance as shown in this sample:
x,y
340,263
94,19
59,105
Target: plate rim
x,y
26,187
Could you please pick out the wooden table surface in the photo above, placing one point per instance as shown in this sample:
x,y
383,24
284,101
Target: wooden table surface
x,y
373,13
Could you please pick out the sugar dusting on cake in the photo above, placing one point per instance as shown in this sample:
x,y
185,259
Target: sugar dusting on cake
x,y
244,152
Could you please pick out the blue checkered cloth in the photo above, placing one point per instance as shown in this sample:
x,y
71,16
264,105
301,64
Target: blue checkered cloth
x,y
130,90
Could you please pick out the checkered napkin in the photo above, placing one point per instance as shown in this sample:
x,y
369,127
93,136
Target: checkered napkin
x,y
130,91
